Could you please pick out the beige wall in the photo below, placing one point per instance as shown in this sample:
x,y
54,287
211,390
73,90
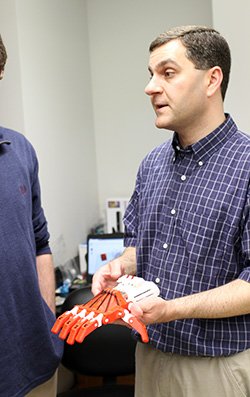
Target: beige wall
x,y
119,36
231,18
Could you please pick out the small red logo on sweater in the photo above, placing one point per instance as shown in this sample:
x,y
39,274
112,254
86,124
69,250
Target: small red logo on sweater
x,y
23,189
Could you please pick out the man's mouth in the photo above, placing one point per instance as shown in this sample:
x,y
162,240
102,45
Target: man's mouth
x,y
160,106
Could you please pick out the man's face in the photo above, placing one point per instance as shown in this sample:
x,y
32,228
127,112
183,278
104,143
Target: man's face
x,y
176,88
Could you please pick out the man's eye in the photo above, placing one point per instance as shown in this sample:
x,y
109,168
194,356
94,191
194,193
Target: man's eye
x,y
169,73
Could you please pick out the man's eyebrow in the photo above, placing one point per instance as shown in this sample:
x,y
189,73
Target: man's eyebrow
x,y
163,64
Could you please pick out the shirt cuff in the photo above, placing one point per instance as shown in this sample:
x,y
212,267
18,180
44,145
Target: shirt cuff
x,y
245,275
129,241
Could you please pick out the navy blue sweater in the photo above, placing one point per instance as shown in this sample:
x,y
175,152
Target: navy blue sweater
x,y
29,352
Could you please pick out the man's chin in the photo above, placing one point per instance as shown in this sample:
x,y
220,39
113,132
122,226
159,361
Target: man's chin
x,y
162,125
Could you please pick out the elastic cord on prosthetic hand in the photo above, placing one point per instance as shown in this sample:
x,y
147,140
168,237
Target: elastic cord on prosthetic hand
x,y
109,305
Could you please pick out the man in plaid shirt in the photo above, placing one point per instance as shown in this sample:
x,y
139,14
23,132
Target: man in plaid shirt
x,y
187,227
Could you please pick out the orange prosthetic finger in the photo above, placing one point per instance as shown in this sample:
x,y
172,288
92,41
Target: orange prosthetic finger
x,y
60,322
74,331
80,333
112,316
67,327
136,324
63,318
71,322
89,327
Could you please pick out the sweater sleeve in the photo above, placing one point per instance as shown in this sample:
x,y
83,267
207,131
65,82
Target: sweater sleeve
x,y
39,221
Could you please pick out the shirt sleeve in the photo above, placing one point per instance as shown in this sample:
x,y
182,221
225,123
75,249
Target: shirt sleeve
x,y
39,221
131,216
245,274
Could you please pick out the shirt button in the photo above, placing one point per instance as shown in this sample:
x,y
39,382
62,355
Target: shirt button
x,y
157,280
200,163
183,177
165,245
172,211
178,148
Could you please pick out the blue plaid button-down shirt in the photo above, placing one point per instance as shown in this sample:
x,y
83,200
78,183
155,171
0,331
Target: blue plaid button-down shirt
x,y
189,221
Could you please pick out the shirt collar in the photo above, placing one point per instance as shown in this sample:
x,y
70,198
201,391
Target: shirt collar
x,y
210,143
2,140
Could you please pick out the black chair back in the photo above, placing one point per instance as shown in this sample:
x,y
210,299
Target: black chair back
x,y
109,351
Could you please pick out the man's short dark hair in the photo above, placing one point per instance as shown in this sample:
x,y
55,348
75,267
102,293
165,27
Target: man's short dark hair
x,y
205,46
3,57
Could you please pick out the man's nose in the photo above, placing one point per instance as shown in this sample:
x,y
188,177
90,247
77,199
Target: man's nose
x,y
153,87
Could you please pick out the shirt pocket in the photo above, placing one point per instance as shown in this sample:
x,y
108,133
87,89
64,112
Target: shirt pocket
x,y
205,235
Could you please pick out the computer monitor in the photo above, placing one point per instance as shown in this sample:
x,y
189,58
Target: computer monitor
x,y
102,248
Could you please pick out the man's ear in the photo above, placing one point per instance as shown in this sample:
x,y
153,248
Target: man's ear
x,y
215,77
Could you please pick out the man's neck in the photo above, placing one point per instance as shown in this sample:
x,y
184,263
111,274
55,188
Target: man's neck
x,y
200,130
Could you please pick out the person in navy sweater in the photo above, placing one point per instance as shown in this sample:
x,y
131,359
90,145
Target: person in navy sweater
x,y
29,352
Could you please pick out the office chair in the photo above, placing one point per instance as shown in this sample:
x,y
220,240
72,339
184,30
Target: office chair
x,y
107,352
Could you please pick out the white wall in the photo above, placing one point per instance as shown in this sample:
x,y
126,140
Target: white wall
x,y
231,19
55,100
119,35
11,105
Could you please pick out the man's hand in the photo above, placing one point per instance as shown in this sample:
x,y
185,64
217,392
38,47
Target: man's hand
x,y
107,275
151,310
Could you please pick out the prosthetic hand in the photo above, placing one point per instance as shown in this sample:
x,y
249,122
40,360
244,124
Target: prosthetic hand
x,y
107,306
